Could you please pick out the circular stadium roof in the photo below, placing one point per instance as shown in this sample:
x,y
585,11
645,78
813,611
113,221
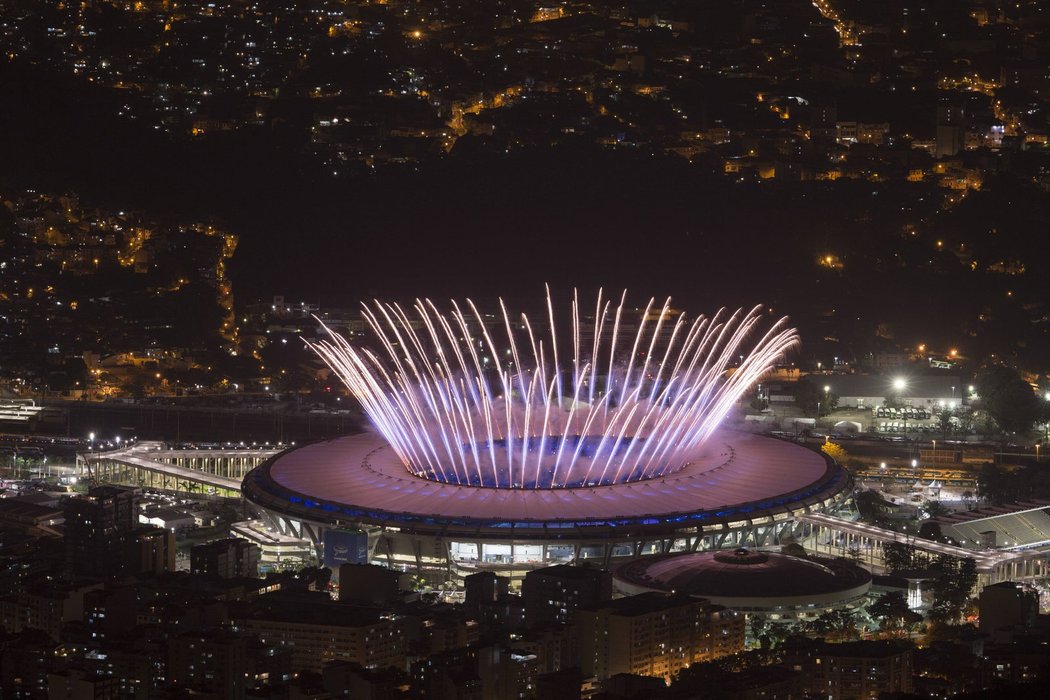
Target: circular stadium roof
x,y
360,478
745,578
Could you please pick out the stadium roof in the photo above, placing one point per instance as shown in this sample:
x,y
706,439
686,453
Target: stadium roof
x,y
741,574
735,469
1018,525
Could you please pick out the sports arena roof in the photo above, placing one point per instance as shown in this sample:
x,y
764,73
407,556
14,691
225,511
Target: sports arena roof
x,y
733,577
738,476
1015,526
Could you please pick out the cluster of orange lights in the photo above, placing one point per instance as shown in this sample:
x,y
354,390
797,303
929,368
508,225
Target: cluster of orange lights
x,y
953,353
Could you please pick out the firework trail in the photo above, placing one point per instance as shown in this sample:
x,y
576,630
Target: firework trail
x,y
497,401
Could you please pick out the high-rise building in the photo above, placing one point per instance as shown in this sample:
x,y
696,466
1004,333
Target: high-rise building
x,y
94,525
103,537
44,607
318,630
553,594
484,587
654,634
1007,604
370,583
148,550
486,671
232,557
857,670
214,662
79,684
951,129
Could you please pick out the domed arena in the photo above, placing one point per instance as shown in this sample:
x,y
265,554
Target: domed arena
x,y
774,585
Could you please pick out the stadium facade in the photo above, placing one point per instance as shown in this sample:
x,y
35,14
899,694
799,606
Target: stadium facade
x,y
499,446
743,490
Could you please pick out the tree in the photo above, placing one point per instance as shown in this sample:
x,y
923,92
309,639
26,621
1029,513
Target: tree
x,y
809,397
899,556
994,484
935,509
931,530
836,625
953,581
835,451
944,422
892,613
870,505
778,632
845,625
759,626
1008,399
793,550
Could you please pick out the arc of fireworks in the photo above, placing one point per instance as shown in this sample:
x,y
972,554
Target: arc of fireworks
x,y
450,417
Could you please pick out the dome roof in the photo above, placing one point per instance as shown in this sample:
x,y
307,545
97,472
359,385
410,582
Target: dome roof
x,y
742,573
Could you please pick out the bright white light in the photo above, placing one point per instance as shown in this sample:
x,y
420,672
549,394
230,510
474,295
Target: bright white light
x,y
604,406
899,384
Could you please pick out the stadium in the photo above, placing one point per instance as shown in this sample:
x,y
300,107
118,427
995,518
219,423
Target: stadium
x,y
493,448
768,584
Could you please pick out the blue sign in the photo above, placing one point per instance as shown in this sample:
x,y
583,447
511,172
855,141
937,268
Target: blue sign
x,y
345,547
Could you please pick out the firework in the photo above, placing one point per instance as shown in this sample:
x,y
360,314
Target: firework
x,y
501,402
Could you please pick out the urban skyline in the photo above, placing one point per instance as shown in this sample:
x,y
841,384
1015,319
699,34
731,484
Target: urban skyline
x,y
500,476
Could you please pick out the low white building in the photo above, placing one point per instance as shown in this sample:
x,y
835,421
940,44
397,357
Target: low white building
x,y
931,392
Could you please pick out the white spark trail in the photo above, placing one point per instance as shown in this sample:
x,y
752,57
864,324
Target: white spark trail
x,y
467,398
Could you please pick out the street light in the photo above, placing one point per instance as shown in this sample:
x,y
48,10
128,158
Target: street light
x,y
826,390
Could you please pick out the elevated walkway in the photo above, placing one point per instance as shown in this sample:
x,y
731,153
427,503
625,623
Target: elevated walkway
x,y
838,537
216,472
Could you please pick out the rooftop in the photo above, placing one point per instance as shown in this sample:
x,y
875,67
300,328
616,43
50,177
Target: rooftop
x,y
737,476
922,386
644,604
742,573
